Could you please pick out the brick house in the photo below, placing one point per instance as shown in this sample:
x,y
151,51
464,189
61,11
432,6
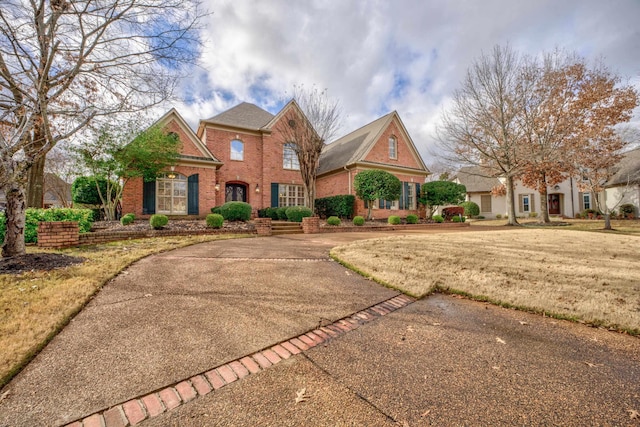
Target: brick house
x,y
242,155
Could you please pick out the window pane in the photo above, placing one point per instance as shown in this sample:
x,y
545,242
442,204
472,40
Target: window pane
x,y
237,150
485,203
392,148
290,158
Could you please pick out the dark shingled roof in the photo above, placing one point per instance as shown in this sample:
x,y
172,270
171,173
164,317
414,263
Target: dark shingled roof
x,y
245,116
628,169
351,148
475,179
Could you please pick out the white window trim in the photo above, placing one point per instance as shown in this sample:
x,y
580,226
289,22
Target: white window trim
x,y
231,152
395,147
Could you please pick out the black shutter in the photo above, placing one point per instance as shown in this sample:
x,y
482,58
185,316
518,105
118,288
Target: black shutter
x,y
192,195
274,195
417,195
148,198
381,203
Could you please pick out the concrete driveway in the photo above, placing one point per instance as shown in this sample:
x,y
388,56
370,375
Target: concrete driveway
x,y
164,332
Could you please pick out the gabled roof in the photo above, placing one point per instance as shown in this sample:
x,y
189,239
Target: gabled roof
x,y
244,116
354,147
475,179
173,114
628,169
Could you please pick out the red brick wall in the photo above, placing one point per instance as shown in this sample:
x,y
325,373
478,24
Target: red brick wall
x,y
187,148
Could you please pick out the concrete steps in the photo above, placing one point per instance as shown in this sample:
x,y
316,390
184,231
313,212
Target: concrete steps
x,y
285,227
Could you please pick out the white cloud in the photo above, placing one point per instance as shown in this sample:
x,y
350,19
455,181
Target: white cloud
x,y
377,56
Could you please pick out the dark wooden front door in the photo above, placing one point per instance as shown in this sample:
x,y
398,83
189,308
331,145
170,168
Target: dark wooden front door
x,y
235,193
554,204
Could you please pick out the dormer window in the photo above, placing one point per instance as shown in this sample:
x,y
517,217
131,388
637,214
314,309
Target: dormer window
x,y
393,148
237,150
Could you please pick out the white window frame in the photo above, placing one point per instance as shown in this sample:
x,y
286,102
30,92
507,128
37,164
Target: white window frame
x,y
291,195
290,157
176,186
393,147
586,200
234,153
526,203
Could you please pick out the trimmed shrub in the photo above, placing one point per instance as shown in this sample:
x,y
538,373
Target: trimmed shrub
x,y
482,217
358,220
296,213
452,211
281,213
215,220
333,220
533,214
412,219
628,210
158,221
471,209
216,209
589,213
235,211
127,219
271,213
438,218
457,219
84,217
394,220
498,216
340,206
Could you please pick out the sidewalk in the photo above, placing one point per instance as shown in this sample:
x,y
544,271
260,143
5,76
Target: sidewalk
x,y
438,361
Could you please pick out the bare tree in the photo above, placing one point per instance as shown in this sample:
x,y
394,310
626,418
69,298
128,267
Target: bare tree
x,y
482,127
61,164
313,120
64,64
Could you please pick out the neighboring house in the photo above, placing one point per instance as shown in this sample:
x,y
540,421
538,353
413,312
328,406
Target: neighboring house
x,y
382,144
242,155
564,199
57,193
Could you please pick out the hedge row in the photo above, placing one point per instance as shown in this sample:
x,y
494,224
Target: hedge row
x,y
84,217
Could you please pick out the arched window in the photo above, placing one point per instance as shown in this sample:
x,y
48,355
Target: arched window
x,y
393,148
290,157
171,194
237,150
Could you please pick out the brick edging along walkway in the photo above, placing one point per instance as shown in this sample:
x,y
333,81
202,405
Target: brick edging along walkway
x,y
140,408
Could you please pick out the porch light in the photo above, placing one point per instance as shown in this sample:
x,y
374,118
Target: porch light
x,y
172,175
217,187
257,188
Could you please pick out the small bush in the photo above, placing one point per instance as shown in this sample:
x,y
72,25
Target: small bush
x,y
457,219
394,220
216,210
235,211
482,217
333,220
127,219
533,214
271,213
628,210
158,221
296,213
262,213
281,213
438,218
358,220
215,220
452,211
84,217
498,216
412,219
471,209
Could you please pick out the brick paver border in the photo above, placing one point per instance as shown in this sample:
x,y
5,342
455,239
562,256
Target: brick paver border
x,y
138,409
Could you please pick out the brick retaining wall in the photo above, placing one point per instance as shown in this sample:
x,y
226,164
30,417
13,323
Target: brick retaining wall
x,y
58,234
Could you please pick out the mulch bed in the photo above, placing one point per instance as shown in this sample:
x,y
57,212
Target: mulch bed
x,y
178,224
40,261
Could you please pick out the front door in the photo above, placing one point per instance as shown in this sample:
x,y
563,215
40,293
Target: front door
x,y
235,193
554,204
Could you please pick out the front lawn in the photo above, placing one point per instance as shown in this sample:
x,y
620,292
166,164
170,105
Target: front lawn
x,y
592,277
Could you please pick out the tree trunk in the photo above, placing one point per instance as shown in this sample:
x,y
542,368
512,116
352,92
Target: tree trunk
x,y
607,220
15,220
35,184
544,206
511,206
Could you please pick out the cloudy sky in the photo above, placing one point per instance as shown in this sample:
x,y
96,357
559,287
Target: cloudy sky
x,y
380,56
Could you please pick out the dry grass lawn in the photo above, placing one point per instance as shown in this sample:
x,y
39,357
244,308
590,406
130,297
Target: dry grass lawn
x,y
34,306
591,277
619,226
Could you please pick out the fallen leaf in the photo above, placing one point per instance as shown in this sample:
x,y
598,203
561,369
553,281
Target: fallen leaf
x,y
410,328
148,295
500,340
301,395
633,414
425,413
522,322
592,365
436,324
4,395
347,273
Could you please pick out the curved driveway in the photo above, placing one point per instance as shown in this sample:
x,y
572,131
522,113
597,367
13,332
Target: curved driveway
x,y
438,361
